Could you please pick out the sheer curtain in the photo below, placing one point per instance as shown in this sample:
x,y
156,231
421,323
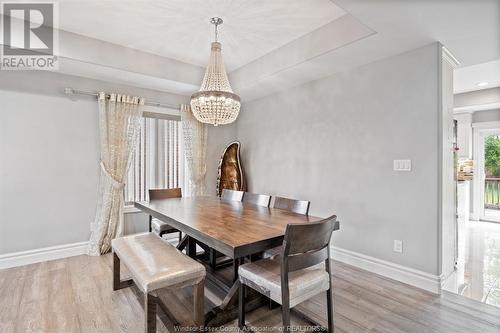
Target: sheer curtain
x,y
119,126
195,149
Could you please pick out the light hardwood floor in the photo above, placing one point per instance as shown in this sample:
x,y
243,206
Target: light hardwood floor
x,y
75,295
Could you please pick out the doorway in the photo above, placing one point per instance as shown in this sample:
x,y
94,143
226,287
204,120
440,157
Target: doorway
x,y
477,271
487,174
491,194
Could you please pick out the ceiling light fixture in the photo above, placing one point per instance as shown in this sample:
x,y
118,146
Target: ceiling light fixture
x,y
482,84
215,103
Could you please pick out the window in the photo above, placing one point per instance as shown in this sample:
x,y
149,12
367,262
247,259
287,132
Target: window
x,y
156,162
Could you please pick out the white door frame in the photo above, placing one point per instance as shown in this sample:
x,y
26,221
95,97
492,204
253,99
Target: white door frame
x,y
480,131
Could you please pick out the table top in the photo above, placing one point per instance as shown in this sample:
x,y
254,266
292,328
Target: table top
x,y
234,228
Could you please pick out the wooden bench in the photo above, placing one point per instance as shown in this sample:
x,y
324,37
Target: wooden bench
x,y
155,264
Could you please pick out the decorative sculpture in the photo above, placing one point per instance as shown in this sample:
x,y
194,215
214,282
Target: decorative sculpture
x,y
230,172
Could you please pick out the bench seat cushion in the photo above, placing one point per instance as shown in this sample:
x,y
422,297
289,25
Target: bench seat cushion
x,y
264,276
156,264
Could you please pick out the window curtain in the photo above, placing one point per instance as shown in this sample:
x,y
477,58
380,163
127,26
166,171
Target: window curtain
x,y
119,126
195,149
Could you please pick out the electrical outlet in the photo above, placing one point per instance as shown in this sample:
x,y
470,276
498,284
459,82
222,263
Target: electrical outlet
x,y
398,246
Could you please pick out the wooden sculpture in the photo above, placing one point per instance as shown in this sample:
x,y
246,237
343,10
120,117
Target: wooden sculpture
x,y
230,172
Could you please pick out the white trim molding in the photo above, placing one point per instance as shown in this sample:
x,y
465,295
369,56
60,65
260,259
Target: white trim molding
x,y
477,107
423,280
44,254
487,125
449,57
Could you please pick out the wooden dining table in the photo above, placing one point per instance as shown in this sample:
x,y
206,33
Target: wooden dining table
x,y
233,228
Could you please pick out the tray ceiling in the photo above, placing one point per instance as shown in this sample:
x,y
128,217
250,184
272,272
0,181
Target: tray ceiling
x,y
180,29
268,45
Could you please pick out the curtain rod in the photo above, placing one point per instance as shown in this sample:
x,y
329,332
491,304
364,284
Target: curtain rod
x,y
71,91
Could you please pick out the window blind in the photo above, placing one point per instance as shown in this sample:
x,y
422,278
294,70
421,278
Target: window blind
x,y
156,161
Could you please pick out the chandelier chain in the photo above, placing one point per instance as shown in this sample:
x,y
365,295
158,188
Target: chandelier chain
x,y
216,32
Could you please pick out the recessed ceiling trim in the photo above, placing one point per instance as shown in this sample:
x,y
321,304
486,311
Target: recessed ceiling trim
x,y
126,77
332,36
180,29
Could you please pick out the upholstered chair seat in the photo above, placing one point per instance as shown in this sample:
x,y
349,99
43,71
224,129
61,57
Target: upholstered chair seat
x,y
160,227
264,275
271,253
301,271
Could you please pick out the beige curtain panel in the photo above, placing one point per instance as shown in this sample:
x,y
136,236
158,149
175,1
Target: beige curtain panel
x,y
195,149
119,126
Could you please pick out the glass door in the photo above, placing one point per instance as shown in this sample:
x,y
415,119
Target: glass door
x,y
490,172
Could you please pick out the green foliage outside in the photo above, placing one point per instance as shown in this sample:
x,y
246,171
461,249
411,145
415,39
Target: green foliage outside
x,y
492,156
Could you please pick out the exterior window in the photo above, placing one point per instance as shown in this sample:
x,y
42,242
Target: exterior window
x,y
157,161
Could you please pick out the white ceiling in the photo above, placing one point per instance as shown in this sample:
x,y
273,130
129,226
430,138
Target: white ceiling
x,y
268,45
467,78
180,29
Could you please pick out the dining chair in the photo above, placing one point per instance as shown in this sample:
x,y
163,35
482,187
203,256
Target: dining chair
x,y
232,195
159,227
292,205
213,255
257,199
301,271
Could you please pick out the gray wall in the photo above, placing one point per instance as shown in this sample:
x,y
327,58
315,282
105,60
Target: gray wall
x,y
135,222
333,142
49,170
218,139
49,167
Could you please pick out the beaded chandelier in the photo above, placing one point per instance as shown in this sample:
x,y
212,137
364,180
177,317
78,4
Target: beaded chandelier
x,y
215,103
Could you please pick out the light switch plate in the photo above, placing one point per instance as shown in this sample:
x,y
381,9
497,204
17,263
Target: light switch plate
x,y
402,165
398,246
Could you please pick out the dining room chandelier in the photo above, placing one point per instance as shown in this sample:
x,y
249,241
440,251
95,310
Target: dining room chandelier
x,y
215,103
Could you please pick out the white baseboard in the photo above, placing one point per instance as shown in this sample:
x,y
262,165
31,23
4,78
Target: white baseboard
x,y
449,281
44,254
413,277
16,259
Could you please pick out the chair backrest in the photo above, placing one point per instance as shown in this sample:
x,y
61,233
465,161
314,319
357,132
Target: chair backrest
x,y
257,199
307,244
232,195
296,206
165,193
